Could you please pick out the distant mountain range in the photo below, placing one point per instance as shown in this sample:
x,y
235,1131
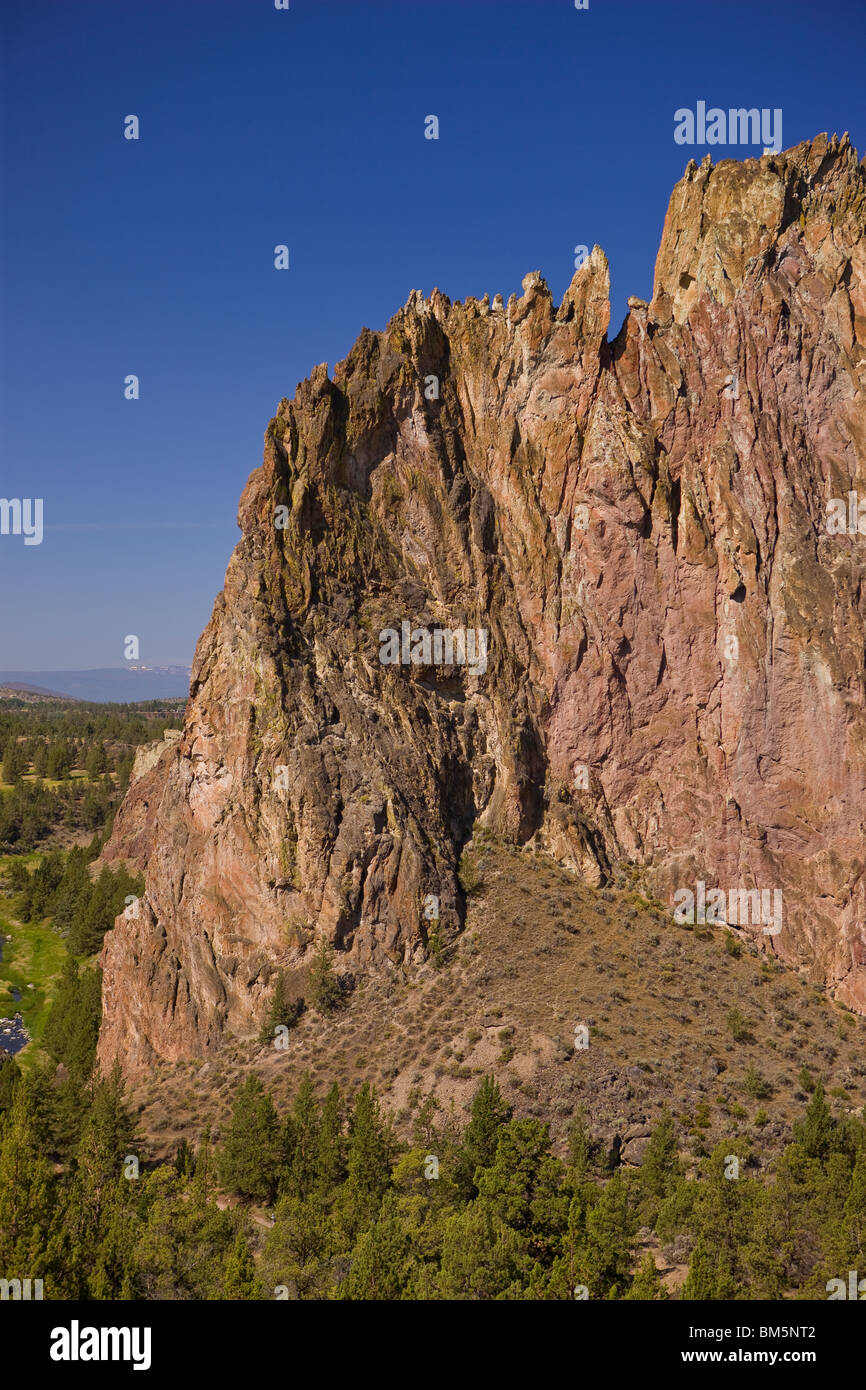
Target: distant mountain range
x,y
125,684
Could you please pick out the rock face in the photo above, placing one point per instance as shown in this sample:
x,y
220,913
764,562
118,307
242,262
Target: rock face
x,y
674,668
131,837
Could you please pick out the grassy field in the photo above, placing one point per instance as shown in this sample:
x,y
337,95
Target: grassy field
x,y
34,956
77,774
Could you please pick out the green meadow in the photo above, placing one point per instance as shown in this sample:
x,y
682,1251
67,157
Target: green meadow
x,y
34,956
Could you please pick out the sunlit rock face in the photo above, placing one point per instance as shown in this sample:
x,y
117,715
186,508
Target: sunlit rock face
x,y
661,539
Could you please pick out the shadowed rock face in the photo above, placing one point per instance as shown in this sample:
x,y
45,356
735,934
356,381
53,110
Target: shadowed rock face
x,y
639,526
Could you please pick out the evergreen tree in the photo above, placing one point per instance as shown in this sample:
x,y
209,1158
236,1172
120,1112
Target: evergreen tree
x,y
610,1229
646,1284
661,1167
324,985
524,1186
481,1256
369,1161
98,1219
59,763
239,1277
298,1248
283,1011
701,1283
14,762
305,1136
72,1027
184,1160
201,1183
27,1190
331,1159
96,762
381,1263
41,886
489,1113
10,1075
251,1154
815,1133
185,1244
580,1143
73,891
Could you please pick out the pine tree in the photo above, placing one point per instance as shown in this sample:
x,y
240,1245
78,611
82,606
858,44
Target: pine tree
x,y
305,1138
701,1283
27,1188
239,1276
481,1256
72,1027
580,1144
816,1131
646,1284
201,1182
489,1113
109,1274
251,1154
610,1229
96,762
283,1011
59,762
381,1261
524,1185
661,1167
331,1158
298,1247
10,1075
369,1161
324,985
184,1160
14,762
98,1218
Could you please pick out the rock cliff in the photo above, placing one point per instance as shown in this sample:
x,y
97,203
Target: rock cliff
x,y
675,632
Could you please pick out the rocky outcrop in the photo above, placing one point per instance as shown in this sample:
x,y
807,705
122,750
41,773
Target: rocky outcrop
x,y
674,668
134,824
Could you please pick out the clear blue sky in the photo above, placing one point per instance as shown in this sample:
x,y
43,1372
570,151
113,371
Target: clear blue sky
x,y
307,127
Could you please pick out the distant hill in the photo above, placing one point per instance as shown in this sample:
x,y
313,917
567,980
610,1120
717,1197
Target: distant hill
x,y
123,683
30,693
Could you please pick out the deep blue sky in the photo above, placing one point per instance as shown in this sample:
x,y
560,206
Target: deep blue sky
x,y
307,127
